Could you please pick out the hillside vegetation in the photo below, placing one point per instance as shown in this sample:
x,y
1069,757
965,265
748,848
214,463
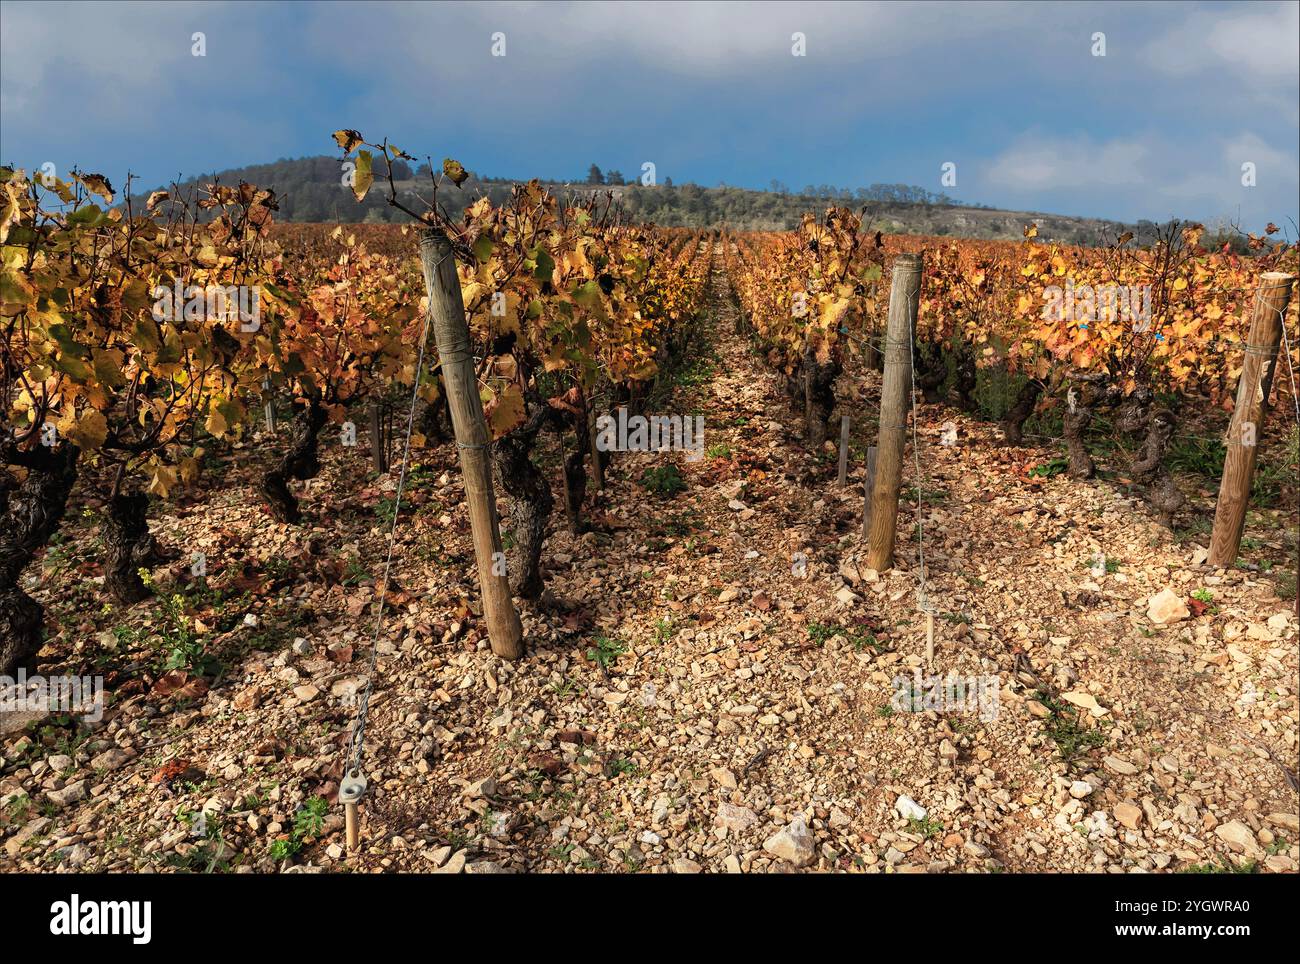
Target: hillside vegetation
x,y
312,189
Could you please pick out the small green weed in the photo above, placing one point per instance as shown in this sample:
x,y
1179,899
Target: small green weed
x,y
664,480
606,651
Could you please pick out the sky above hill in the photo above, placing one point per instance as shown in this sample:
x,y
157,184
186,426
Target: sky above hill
x,y
1014,95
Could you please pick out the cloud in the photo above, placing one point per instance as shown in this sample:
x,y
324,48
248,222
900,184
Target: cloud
x,y
717,38
109,56
1257,43
1036,163
697,41
1268,162
1152,175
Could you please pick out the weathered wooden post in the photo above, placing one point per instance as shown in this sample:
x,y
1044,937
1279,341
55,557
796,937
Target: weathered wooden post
x,y
866,491
451,333
807,391
378,441
597,464
1247,428
268,405
844,451
904,300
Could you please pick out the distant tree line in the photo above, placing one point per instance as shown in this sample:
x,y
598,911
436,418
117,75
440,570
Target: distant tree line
x,y
315,189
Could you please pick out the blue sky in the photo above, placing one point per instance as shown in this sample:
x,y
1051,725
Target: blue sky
x,y
1011,93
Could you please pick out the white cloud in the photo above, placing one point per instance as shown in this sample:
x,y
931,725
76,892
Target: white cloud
x,y
113,56
1036,163
1268,161
98,66
701,39
1259,43
1152,175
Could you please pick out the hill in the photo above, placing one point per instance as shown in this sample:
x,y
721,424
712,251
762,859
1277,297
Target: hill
x,y
313,189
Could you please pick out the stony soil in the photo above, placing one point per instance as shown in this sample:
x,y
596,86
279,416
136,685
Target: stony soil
x,y
709,683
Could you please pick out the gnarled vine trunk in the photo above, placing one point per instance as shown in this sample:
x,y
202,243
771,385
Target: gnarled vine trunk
x,y
878,355
1076,422
531,503
1133,412
128,546
967,379
794,387
1149,469
32,513
819,398
575,473
434,420
301,461
931,373
1013,422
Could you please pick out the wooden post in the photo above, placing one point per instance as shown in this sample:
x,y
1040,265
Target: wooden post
x,y
388,436
866,490
807,392
844,451
904,299
451,332
597,465
378,449
352,827
268,405
569,512
1247,428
